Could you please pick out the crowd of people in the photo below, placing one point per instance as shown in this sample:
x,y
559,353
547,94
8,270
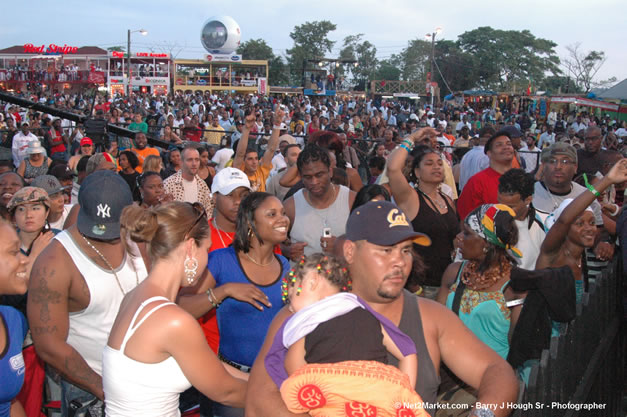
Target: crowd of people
x,y
234,247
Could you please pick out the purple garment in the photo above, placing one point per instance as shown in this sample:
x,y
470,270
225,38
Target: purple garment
x,y
275,358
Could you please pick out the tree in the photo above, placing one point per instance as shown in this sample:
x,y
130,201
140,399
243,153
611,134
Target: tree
x,y
413,61
310,42
508,57
116,49
279,72
364,53
559,84
584,66
458,68
255,49
387,69
260,50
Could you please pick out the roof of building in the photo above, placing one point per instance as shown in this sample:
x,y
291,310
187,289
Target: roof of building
x,y
619,91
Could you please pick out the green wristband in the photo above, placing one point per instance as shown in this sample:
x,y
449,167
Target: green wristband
x,y
590,187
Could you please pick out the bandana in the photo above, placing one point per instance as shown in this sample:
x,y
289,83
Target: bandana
x,y
489,221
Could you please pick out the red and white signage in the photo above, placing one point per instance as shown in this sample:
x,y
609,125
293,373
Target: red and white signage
x,y
118,54
29,48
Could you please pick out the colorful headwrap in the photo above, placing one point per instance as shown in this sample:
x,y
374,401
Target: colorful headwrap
x,y
490,221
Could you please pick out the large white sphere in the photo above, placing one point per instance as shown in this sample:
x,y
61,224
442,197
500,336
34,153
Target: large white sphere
x,y
220,35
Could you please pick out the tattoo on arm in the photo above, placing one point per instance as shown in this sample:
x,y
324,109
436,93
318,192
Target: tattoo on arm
x,y
42,294
76,369
42,330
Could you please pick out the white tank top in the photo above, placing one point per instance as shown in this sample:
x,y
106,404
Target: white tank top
x,y
135,388
89,329
309,221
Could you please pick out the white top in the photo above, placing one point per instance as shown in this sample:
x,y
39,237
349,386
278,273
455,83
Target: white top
x,y
191,190
472,162
135,388
309,222
221,157
529,241
59,223
19,146
89,329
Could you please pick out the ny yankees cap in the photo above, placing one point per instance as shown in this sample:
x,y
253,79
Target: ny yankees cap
x,y
102,197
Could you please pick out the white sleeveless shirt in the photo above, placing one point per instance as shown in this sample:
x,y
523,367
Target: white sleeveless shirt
x,y
309,221
89,329
137,389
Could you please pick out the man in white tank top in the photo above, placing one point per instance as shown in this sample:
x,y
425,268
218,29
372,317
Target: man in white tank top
x,y
319,211
76,287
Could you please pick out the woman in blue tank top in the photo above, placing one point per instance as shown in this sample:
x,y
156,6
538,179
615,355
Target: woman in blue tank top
x,y
477,289
245,282
13,326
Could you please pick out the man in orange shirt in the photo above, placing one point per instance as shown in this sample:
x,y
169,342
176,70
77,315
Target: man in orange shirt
x,y
247,159
142,150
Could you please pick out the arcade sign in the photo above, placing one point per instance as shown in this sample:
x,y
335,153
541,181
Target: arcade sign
x,y
29,48
117,54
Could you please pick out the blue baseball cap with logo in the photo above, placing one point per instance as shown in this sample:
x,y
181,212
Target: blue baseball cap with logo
x,y
102,197
382,223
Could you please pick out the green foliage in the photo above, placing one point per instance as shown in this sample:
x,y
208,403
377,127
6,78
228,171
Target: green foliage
x,y
278,72
310,41
255,49
116,49
362,51
460,69
505,57
388,70
557,84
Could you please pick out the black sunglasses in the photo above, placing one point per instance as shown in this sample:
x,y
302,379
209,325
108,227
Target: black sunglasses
x,y
200,210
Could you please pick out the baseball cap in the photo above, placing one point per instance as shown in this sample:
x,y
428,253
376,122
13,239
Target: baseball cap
x,y
62,172
229,179
86,141
382,223
29,195
558,148
49,183
102,197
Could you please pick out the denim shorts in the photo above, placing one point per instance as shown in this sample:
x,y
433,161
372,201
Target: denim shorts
x,y
76,402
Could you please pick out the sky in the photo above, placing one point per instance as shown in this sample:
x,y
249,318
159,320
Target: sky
x,y
389,25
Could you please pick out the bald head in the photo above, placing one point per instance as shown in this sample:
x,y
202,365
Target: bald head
x,y
592,139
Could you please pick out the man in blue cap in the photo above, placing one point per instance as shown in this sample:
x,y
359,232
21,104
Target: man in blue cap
x,y
76,287
378,251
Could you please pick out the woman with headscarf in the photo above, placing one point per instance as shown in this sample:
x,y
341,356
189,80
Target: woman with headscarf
x,y
477,289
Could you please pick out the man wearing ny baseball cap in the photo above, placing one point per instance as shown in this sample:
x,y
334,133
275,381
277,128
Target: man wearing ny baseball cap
x,y
378,251
76,287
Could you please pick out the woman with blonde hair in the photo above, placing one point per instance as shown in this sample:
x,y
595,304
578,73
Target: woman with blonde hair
x,y
156,350
153,163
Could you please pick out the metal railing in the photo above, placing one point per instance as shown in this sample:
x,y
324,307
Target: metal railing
x,y
582,372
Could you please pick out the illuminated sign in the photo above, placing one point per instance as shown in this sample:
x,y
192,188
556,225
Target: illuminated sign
x,y
29,48
117,54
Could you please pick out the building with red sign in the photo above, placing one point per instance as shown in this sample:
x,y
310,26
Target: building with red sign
x,y
52,67
150,72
